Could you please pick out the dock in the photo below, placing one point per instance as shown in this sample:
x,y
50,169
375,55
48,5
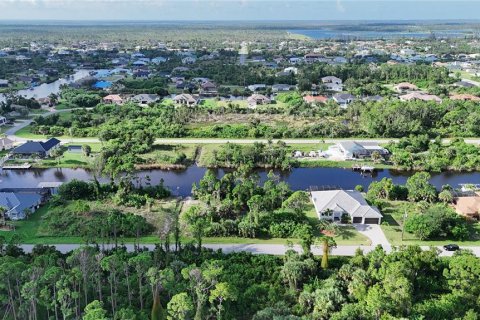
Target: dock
x,y
17,166
363,168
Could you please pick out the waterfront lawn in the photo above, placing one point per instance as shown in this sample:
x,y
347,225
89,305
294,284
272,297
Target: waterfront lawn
x,y
393,212
70,159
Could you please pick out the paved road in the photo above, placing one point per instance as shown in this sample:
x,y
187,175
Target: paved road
x,y
274,249
10,133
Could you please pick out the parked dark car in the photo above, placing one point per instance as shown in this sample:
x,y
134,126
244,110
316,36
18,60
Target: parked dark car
x,y
451,247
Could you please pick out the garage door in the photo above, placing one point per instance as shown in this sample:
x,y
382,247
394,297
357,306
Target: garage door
x,y
357,220
371,220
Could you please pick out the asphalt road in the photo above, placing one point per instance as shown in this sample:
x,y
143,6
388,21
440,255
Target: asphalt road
x,y
274,249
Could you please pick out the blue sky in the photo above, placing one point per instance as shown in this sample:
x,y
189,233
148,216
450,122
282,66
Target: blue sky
x,y
239,9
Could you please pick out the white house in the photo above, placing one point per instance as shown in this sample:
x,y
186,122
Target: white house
x,y
257,87
348,150
332,204
332,83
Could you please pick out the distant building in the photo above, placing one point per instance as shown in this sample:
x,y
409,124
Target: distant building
x,y
420,96
257,99
145,99
282,87
3,83
343,99
332,83
405,87
465,97
186,99
257,87
113,99
315,99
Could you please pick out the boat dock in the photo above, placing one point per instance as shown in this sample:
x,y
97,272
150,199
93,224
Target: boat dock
x,y
363,168
17,166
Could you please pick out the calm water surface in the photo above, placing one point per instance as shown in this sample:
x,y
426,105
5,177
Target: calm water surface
x,y
180,182
44,90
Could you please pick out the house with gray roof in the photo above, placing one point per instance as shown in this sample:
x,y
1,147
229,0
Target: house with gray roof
x,y
19,204
145,98
343,99
332,204
36,148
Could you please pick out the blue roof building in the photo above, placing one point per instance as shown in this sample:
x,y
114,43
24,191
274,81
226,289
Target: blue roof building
x,y
37,148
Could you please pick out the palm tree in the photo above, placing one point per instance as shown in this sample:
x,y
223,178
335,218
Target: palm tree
x,y
328,230
3,211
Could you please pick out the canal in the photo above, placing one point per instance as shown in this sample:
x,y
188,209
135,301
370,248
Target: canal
x,y
180,182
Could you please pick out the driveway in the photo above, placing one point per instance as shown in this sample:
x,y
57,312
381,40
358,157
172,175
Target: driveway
x,y
375,233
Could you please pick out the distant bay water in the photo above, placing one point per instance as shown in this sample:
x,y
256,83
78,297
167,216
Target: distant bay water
x,y
322,34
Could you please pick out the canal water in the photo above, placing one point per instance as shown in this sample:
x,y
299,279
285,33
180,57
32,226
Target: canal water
x,y
180,182
45,89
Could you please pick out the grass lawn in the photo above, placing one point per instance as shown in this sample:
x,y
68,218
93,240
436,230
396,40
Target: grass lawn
x,y
68,160
30,230
393,222
311,163
168,154
347,235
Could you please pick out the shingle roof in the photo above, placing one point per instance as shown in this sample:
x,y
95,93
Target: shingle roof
x,y
350,201
30,147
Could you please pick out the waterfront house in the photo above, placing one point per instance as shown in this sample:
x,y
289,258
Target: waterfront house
x,y
19,204
468,206
333,204
38,149
348,150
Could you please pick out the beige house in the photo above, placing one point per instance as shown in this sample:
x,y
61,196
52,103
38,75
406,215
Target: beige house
x,y
257,99
113,99
420,96
6,144
468,206
405,87
186,99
